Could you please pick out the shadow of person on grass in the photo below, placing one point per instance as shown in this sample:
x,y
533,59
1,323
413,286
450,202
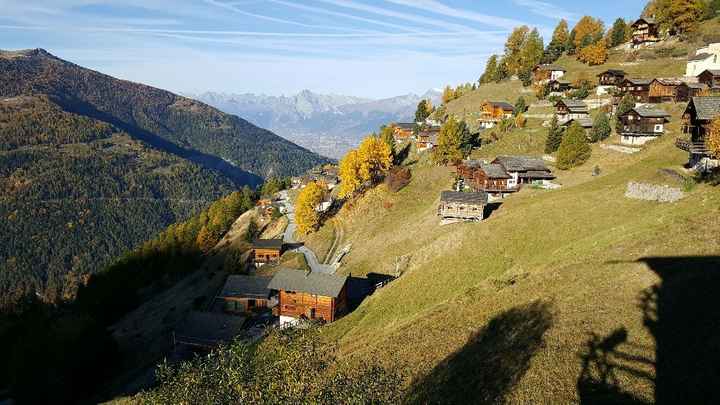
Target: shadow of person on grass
x,y
682,313
492,361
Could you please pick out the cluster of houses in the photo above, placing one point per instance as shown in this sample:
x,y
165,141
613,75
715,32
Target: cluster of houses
x,y
481,183
328,176
424,134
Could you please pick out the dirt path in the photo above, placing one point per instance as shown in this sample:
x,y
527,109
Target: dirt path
x,y
339,234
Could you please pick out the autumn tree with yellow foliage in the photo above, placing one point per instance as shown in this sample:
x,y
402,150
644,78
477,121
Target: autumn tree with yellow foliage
x,y
595,54
350,180
306,216
369,163
713,137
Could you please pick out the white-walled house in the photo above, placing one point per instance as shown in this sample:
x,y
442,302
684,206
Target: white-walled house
x,y
642,124
707,58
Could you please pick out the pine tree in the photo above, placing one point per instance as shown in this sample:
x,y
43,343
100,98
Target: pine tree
x,y
454,142
554,137
626,104
601,128
424,109
490,70
574,149
617,34
520,105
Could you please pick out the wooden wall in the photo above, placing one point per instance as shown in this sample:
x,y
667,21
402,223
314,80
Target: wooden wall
x,y
298,305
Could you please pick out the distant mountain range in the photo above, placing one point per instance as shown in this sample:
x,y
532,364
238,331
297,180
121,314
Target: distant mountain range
x,y
326,124
91,166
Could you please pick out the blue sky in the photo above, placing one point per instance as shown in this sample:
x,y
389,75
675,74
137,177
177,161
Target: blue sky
x,y
369,48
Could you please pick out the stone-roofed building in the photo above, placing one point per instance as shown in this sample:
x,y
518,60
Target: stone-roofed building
x,y
246,293
711,78
642,124
488,177
266,251
546,72
524,170
706,58
309,296
688,90
664,90
698,116
567,109
637,87
462,206
645,30
611,77
559,86
585,122
427,139
206,330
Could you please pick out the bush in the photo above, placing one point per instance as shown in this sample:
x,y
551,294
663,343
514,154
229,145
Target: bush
x,y
398,178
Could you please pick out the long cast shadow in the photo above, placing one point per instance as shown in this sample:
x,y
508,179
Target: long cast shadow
x,y
492,361
682,313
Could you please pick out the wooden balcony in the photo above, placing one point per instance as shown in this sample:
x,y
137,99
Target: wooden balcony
x,y
695,148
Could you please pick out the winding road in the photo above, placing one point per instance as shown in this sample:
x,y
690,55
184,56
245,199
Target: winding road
x,y
289,238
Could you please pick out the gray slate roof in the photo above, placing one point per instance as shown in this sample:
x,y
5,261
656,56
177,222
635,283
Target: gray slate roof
x,y
700,56
326,285
574,105
268,244
479,198
207,328
520,163
405,125
616,72
714,72
701,86
639,81
584,122
494,171
239,286
707,108
550,67
649,112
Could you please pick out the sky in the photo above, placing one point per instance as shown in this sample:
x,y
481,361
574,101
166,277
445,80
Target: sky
x,y
364,48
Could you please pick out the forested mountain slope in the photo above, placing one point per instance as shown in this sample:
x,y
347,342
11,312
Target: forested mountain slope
x,y
91,166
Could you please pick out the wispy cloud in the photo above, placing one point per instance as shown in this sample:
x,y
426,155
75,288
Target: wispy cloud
x,y
546,9
442,9
353,5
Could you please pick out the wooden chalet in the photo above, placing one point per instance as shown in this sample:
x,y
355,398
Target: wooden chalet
x,y
687,91
243,294
567,109
710,78
639,89
547,72
642,124
493,112
524,170
698,116
664,90
462,206
645,30
427,139
611,77
487,177
309,296
265,251
402,131
559,86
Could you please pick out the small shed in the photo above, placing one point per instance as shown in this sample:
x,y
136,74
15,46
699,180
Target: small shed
x,y
664,90
463,206
266,251
697,118
585,122
243,294
567,109
711,78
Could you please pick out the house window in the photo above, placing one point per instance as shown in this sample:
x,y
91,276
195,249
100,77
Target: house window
x,y
658,128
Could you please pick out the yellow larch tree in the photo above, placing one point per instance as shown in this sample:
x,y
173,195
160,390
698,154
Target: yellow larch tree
x,y
375,159
713,137
306,215
350,178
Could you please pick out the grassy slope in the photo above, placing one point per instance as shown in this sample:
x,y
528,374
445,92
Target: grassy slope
x,y
576,251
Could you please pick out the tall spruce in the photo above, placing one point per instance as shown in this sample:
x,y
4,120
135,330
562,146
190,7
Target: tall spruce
x,y
424,109
491,69
558,43
601,128
574,149
554,137
454,142
618,34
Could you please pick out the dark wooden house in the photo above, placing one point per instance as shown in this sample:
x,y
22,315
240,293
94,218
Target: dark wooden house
x,y
242,294
639,89
462,206
642,124
698,116
524,170
427,139
309,296
645,30
487,177
611,77
544,73
585,122
710,78
664,90
559,86
567,109
687,91
266,251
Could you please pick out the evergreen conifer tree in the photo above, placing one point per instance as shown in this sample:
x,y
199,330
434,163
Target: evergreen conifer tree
x,y
574,148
